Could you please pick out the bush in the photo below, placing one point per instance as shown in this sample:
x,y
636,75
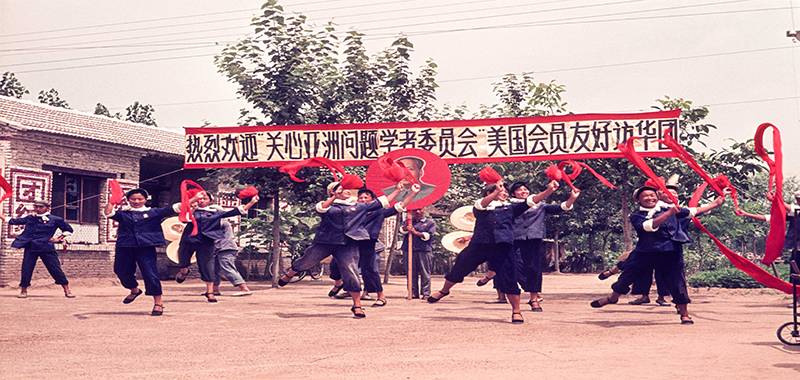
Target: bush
x,y
730,278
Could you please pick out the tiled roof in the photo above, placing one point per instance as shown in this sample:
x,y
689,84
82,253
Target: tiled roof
x,y
28,115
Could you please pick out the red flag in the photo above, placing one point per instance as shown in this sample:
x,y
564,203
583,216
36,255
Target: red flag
x,y
117,196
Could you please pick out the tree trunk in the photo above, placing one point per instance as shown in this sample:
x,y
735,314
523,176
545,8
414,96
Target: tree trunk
x,y
557,257
276,238
625,210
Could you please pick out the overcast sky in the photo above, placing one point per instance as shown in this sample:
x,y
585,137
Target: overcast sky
x,y
612,55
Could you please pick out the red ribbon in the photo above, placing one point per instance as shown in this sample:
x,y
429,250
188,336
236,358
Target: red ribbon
x,y
337,170
576,169
777,220
756,272
6,189
395,171
489,176
186,214
629,152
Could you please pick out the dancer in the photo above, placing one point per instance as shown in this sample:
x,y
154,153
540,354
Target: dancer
x,y
209,230
660,246
341,228
422,229
37,241
529,230
492,241
138,234
368,262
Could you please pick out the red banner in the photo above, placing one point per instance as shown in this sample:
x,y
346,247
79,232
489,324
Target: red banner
x,y
579,137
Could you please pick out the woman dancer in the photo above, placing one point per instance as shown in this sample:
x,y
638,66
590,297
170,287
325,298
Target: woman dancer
x,y
209,230
492,241
138,234
341,228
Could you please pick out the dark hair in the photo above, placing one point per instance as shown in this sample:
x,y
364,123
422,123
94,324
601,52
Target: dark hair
x,y
488,189
516,185
640,190
137,190
367,191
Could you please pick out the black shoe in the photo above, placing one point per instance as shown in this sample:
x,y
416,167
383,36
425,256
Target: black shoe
x,y
483,281
358,315
157,312
180,277
282,282
334,291
132,297
433,299
517,321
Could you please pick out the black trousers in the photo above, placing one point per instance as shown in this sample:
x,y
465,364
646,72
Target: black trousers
x,y
125,261
368,265
501,259
205,257
51,262
669,263
531,254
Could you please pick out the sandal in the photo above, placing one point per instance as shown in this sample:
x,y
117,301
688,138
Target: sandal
x,y
535,306
159,311
358,315
605,274
517,321
433,299
334,291
180,277
686,320
483,281
662,302
598,304
381,302
69,295
282,282
22,295
639,301
131,297
210,297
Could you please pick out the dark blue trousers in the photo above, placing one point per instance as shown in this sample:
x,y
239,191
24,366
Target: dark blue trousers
x,y
501,259
205,257
670,264
368,265
50,260
125,261
531,253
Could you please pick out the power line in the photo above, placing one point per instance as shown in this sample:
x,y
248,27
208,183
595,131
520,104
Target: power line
x,y
108,56
117,63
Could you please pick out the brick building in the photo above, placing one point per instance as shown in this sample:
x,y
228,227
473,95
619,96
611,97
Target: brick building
x,y
67,158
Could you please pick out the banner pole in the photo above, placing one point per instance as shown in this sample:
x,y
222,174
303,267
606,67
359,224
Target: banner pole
x,y
410,254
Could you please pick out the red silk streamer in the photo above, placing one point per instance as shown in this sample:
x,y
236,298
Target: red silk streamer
x,y
756,272
337,170
116,193
577,167
629,152
247,192
6,189
777,220
395,171
186,214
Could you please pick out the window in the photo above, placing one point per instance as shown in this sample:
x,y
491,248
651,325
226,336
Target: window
x,y
76,198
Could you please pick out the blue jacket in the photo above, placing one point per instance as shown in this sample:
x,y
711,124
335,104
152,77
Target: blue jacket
x,y
37,233
208,225
141,228
420,243
531,224
668,237
374,221
344,220
495,223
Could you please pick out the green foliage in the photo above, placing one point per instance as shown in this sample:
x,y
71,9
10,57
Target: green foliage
x,y
730,278
102,110
11,86
141,113
51,97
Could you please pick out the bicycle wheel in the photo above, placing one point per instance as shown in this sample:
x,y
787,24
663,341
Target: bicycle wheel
x,y
789,333
316,272
299,276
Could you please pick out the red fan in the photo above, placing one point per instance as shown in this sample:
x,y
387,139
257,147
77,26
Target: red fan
x,y
117,196
248,192
489,176
6,189
351,181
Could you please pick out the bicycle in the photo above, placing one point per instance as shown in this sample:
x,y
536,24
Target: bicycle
x,y
789,332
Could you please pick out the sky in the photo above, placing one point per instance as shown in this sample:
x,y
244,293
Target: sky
x,y
612,55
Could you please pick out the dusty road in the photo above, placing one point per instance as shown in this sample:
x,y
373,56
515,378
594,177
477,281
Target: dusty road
x,y
297,331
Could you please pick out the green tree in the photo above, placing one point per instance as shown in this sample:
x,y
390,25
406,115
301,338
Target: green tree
x,y
11,86
101,109
141,113
52,98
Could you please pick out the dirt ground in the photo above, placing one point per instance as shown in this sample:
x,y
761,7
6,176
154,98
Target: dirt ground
x,y
298,331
